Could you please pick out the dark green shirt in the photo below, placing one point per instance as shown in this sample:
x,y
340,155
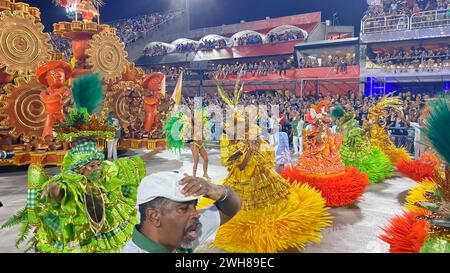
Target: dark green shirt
x,y
139,243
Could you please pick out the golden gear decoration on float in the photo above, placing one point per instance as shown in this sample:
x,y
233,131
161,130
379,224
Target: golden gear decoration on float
x,y
132,73
120,107
107,55
23,44
22,107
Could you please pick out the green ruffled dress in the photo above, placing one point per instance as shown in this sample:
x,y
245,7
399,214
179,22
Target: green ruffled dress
x,y
356,151
66,226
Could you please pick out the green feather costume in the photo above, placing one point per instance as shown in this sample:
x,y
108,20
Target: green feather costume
x,y
176,128
95,213
438,133
356,149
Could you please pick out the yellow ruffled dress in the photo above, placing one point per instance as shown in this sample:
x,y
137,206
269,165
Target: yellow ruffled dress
x,y
274,215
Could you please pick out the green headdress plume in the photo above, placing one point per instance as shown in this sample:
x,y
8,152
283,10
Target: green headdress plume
x,y
437,127
88,95
438,133
88,92
338,112
174,129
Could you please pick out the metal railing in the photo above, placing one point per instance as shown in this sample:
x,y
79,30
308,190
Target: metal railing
x,y
385,24
403,137
419,20
429,19
416,62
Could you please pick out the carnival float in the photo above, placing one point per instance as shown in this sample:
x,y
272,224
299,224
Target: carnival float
x,y
28,105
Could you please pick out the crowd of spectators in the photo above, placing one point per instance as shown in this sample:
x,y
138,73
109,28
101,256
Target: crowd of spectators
x,y
131,29
61,45
186,47
171,72
253,68
339,62
287,36
418,58
222,70
397,10
156,50
404,7
212,44
250,39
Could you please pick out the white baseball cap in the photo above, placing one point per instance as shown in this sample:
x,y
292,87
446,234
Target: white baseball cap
x,y
162,184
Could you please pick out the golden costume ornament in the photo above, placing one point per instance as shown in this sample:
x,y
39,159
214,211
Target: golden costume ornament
x,y
375,127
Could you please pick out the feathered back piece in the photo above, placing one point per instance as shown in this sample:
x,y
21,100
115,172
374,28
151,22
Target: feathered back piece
x,y
88,95
88,92
438,133
387,102
236,94
437,128
321,107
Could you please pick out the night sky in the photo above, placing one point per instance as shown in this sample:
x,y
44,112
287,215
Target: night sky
x,y
205,13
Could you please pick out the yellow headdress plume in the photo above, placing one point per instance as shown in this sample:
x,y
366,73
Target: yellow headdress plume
x,y
236,94
387,102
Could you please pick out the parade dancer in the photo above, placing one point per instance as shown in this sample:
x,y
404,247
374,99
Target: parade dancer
x,y
321,166
90,206
268,201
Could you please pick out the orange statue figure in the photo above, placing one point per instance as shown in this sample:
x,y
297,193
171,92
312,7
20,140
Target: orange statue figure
x,y
54,75
153,85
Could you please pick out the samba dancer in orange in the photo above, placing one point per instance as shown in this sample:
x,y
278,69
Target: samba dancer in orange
x,y
321,166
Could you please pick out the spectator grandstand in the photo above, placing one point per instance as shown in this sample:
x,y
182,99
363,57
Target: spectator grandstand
x,y
419,58
399,15
131,29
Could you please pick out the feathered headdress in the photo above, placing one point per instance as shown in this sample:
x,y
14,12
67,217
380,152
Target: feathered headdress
x,y
233,102
88,95
338,112
437,127
387,102
319,112
438,133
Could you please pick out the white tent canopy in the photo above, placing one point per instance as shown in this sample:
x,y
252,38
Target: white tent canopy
x,y
153,44
286,29
183,41
213,37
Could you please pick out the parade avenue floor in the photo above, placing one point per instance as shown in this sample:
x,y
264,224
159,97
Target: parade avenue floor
x,y
355,228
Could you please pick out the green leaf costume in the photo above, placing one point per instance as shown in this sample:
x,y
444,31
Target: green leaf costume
x,y
356,149
95,213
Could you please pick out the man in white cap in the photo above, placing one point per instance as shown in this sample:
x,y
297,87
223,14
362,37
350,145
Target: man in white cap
x,y
170,221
